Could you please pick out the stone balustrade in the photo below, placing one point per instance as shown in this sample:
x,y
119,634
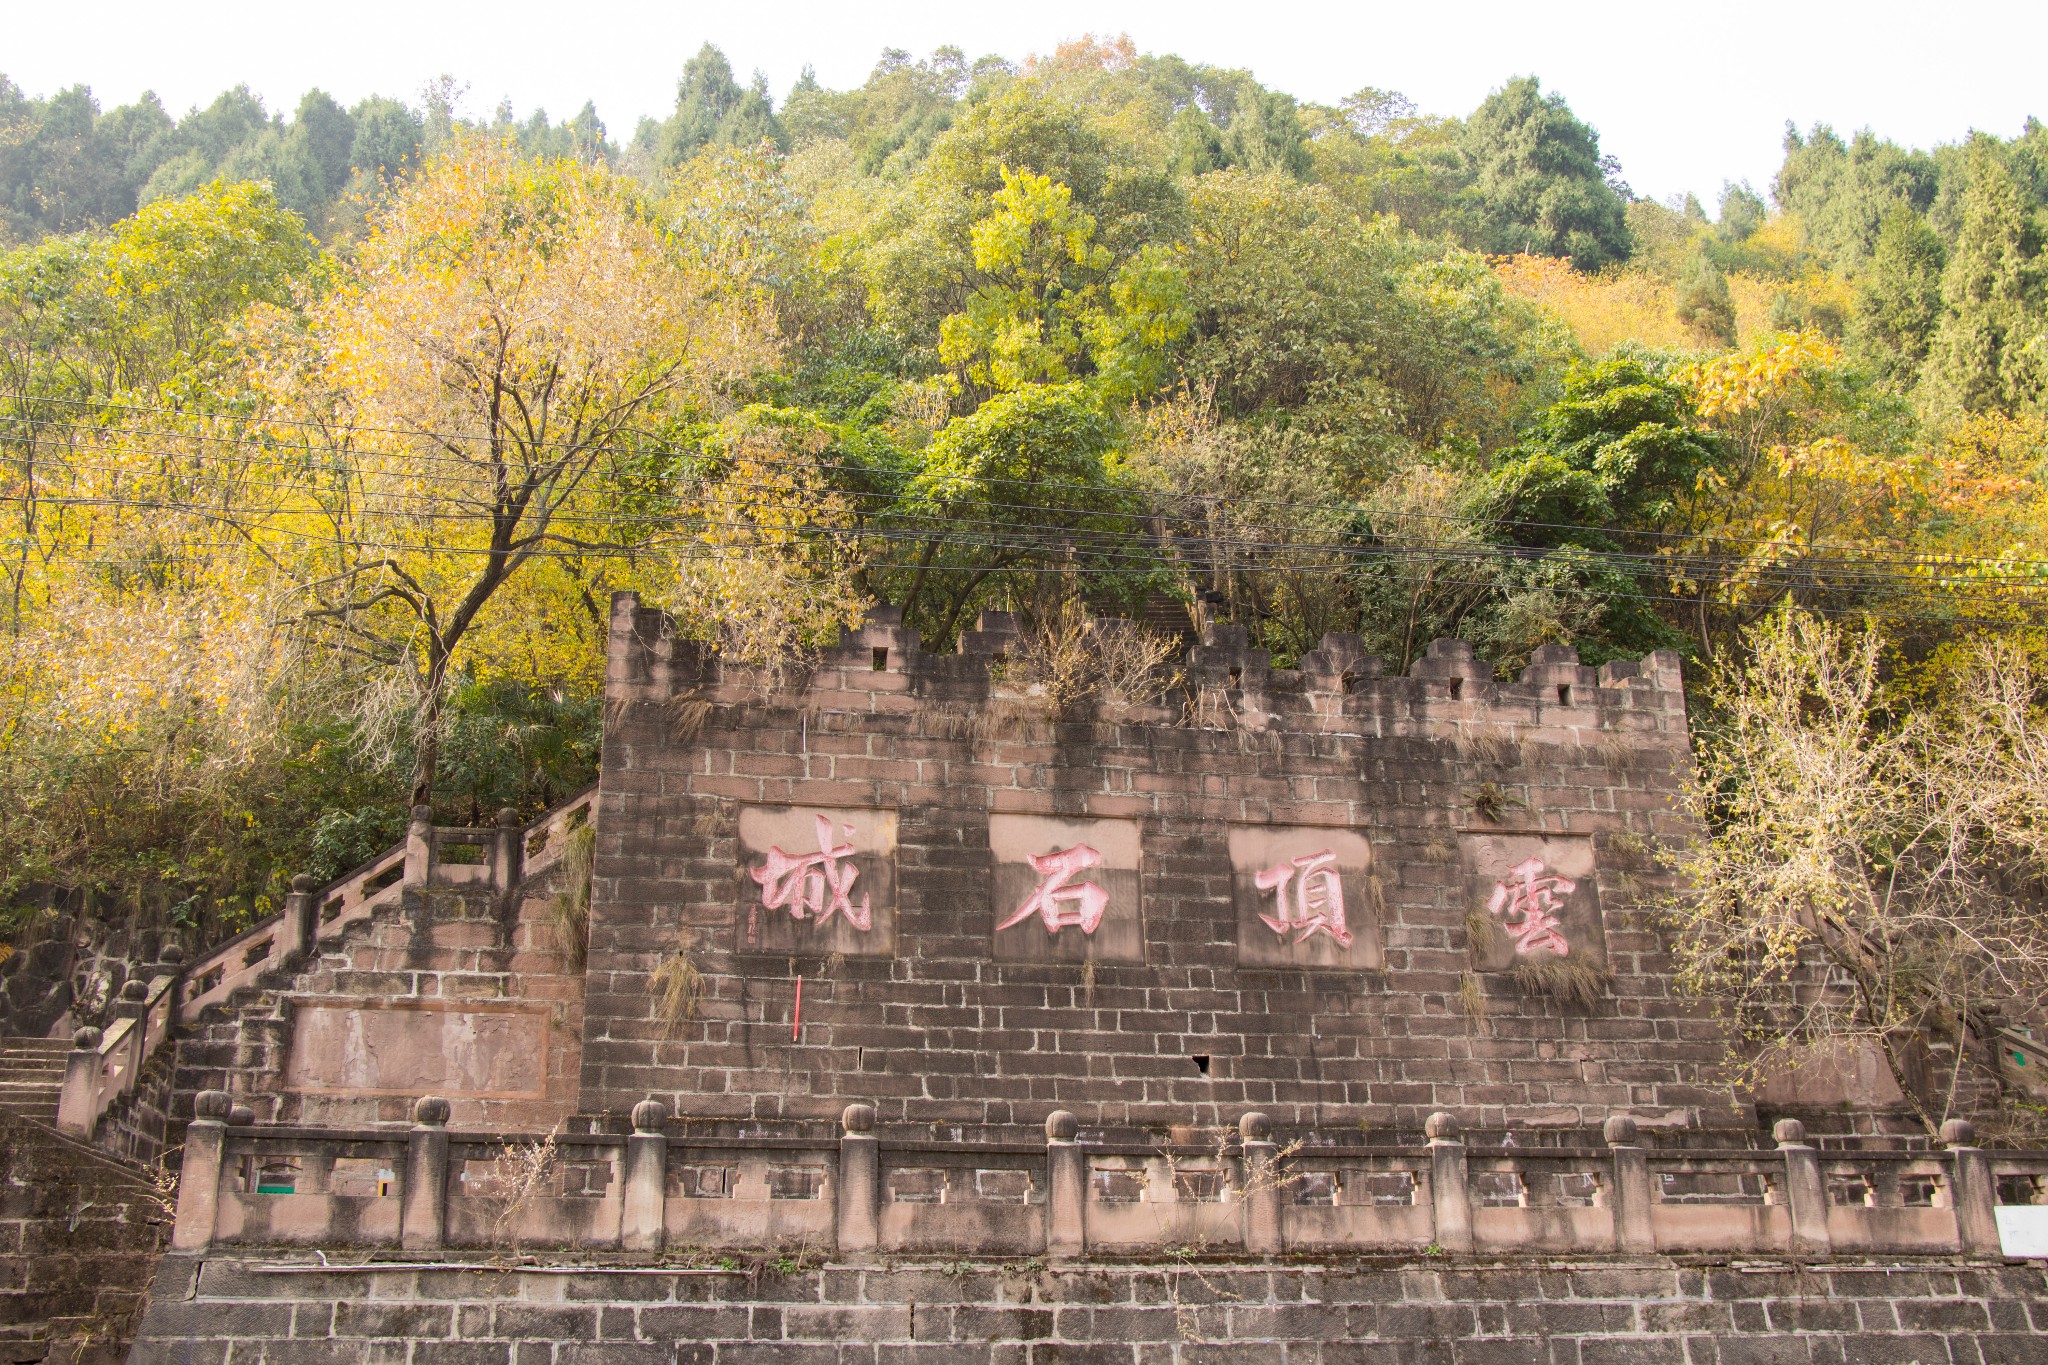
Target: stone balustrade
x,y
105,1064
427,1189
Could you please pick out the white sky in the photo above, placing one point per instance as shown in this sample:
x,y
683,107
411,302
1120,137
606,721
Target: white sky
x,y
1686,95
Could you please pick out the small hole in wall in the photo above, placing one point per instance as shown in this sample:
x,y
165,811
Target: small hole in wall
x,y
1236,676
1564,694
881,657
1457,688
1201,1061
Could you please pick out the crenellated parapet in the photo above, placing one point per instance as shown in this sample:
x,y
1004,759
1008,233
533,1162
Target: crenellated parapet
x,y
1224,682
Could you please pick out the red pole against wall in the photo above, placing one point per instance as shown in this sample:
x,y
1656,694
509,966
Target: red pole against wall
x,y
796,1020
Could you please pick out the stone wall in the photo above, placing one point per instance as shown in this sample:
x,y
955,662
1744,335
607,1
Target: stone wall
x,y
79,1238
1424,792
1421,1312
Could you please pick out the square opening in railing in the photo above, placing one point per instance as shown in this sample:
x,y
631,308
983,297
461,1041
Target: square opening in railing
x,y
1117,1185
1499,1190
917,1185
467,854
1577,1189
277,1177
1005,1187
2019,1189
584,1179
1710,1187
1851,1190
702,1182
1919,1191
362,1178
388,877
1380,1189
1315,1189
1198,1187
796,1182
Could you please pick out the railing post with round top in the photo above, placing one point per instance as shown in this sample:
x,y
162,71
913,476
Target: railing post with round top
x,y
423,1214
199,1176
296,934
1261,1190
1629,1194
643,1221
507,852
78,1102
1972,1192
860,1180
1450,1198
1066,1187
419,845
1805,1192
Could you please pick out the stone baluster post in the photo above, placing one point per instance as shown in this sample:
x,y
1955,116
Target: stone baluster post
x,y
199,1177
1806,1194
644,1220
133,1001
1973,1191
860,1180
508,853
1449,1190
422,1220
1262,1232
419,846
1629,1194
1066,1187
301,923
77,1103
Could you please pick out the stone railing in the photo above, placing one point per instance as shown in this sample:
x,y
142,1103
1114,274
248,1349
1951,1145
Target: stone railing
x,y
498,856
104,1065
427,1189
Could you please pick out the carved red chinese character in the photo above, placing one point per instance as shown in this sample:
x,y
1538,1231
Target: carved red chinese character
x,y
819,884
1316,905
1080,906
1526,903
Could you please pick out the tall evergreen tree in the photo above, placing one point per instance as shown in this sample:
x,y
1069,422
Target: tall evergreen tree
x,y
1899,298
1988,354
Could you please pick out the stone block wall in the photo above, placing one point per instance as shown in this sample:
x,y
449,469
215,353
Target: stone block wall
x,y
205,1312
79,1239
1181,1024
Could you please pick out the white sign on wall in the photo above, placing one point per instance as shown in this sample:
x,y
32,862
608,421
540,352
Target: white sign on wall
x,y
2023,1229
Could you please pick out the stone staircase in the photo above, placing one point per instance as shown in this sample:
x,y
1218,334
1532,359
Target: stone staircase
x,y
31,1076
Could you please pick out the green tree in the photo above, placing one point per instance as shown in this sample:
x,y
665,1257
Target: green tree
x,y
1539,184
712,109
1617,453
1899,298
1988,353
1034,462
1842,191
1704,305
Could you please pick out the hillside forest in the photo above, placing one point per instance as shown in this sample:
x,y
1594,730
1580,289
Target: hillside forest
x,y
326,435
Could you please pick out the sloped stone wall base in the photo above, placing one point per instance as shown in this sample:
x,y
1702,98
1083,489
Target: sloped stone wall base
x,y
1397,1312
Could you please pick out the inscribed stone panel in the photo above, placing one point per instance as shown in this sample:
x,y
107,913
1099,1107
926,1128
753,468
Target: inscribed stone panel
x,y
814,880
392,1049
1304,897
1529,895
1066,890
